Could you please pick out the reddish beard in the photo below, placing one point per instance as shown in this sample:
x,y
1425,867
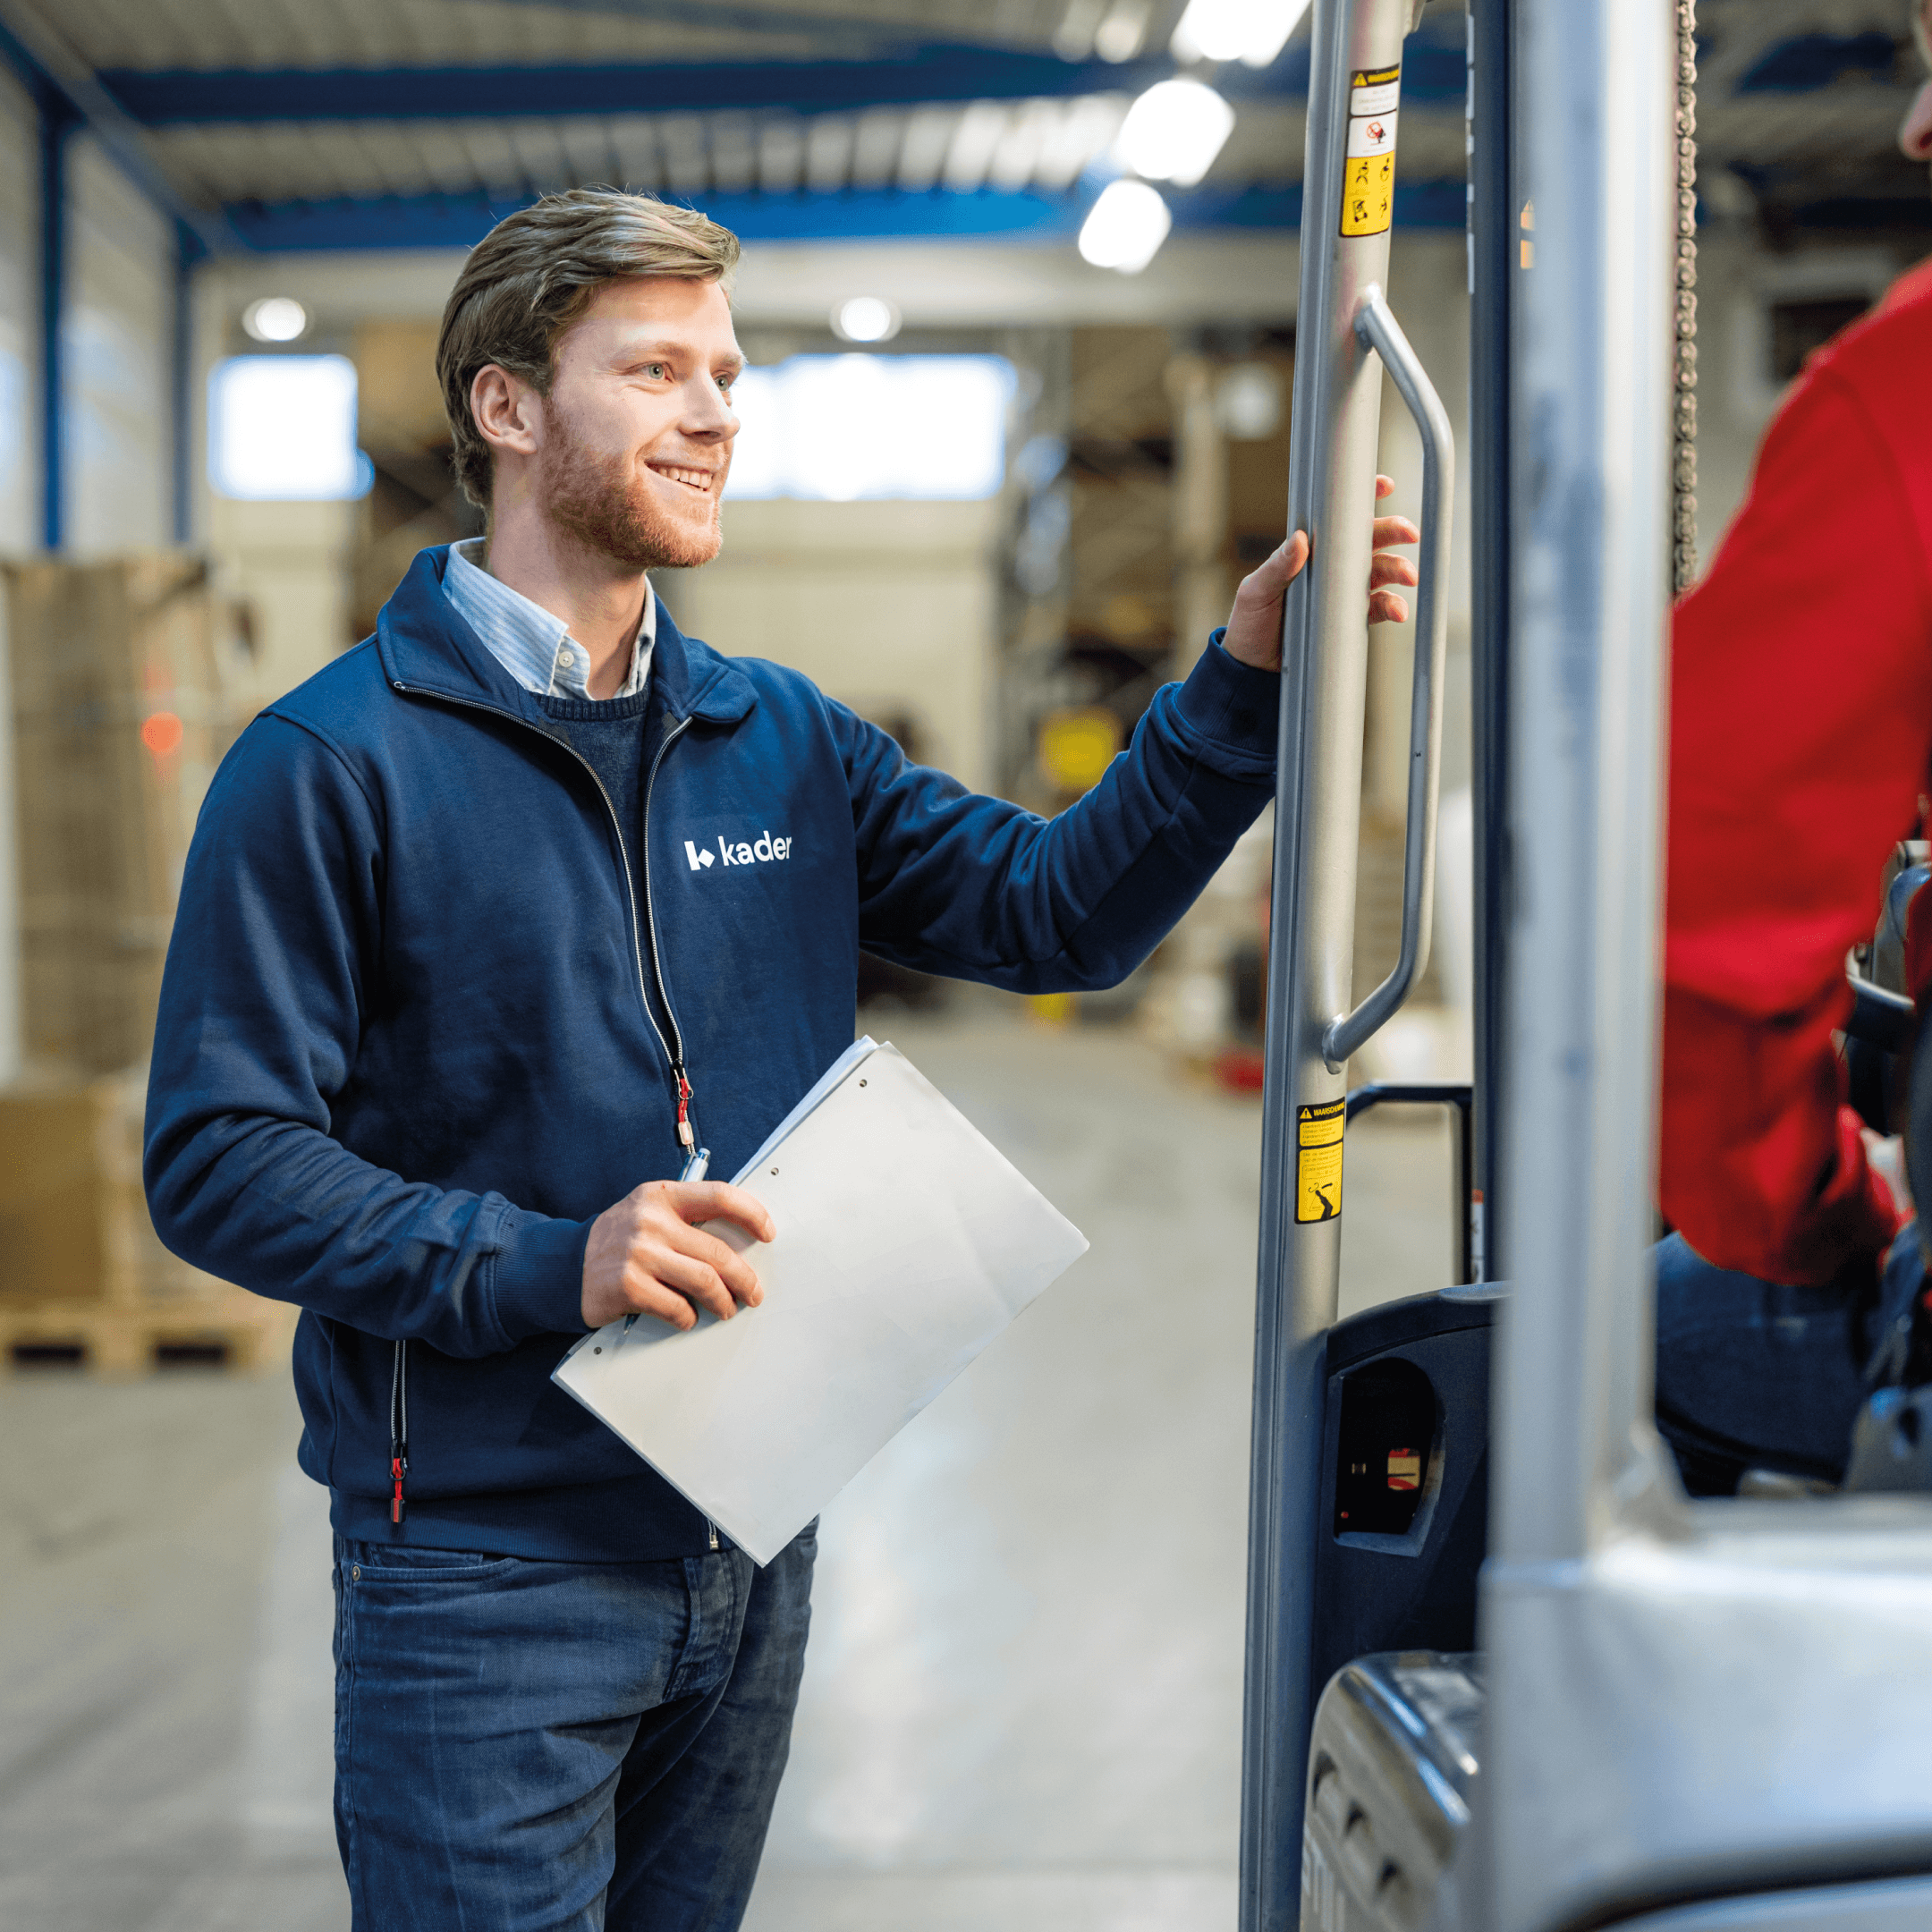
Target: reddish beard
x,y
611,508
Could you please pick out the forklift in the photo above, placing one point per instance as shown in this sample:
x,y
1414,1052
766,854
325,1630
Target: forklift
x,y
1541,1690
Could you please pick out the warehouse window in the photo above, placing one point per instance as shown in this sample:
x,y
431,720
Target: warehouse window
x,y
839,427
282,429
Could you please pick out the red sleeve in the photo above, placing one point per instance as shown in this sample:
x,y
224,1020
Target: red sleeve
x,y
1800,719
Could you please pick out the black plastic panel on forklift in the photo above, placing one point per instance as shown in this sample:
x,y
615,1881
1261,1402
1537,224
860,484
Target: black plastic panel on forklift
x,y
1405,1500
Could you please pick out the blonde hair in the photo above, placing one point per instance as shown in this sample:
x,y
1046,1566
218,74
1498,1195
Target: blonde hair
x,y
536,272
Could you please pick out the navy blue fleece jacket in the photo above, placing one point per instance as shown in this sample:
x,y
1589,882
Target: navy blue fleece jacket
x,y
418,1021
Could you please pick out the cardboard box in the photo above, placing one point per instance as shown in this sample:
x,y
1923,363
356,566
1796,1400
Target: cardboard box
x,y
119,721
70,1211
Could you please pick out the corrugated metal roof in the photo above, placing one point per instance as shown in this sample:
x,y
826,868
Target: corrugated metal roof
x,y
161,34
1022,144
827,141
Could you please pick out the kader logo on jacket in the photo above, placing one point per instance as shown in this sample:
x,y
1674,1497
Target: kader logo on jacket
x,y
764,849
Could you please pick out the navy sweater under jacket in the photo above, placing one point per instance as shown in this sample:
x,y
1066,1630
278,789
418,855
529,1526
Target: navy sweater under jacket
x,y
406,1055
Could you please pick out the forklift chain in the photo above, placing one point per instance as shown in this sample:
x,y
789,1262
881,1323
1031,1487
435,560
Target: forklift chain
x,y
1683,466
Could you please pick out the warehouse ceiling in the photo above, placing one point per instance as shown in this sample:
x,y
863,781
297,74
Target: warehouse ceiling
x,y
273,125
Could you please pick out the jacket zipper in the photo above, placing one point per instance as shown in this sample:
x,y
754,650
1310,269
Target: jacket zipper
x,y
673,1054
686,1131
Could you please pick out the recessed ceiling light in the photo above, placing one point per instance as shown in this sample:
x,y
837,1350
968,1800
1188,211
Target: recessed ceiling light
x,y
865,318
275,319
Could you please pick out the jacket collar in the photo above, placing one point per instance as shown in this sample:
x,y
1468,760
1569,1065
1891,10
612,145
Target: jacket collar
x,y
425,646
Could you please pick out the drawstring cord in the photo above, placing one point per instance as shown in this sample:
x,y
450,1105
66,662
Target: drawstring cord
x,y
398,1428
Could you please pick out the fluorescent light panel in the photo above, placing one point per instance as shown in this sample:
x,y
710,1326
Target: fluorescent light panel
x,y
1126,227
1174,131
1251,31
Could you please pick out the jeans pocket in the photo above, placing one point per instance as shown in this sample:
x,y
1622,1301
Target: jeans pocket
x,y
401,1562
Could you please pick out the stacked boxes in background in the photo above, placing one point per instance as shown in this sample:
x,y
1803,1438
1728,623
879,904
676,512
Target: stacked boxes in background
x,y
118,725
118,720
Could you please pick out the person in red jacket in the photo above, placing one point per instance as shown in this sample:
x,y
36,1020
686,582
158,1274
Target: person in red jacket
x,y
1801,748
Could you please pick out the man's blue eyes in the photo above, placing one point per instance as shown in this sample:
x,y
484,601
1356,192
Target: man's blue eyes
x,y
661,371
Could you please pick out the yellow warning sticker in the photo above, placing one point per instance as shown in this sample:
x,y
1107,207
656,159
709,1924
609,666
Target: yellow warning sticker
x,y
1318,1161
1369,195
1369,166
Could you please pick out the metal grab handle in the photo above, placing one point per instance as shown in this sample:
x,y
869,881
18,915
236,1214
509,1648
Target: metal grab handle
x,y
1375,324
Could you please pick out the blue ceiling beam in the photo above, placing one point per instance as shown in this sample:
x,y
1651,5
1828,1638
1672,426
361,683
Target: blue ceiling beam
x,y
1434,72
61,82
460,221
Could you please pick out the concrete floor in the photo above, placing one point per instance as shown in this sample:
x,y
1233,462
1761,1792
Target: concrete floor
x,y
1022,1708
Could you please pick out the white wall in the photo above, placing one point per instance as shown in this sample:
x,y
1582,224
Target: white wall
x,y
288,563
119,307
891,607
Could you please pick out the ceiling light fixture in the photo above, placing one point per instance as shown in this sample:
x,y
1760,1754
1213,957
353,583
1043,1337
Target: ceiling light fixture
x,y
1126,227
1073,37
1251,31
865,319
1121,35
275,319
1174,131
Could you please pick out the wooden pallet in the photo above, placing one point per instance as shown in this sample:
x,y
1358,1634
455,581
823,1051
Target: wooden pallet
x,y
228,1329
84,1280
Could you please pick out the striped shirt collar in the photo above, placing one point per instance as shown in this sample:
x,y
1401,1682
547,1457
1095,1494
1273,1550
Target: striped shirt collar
x,y
535,647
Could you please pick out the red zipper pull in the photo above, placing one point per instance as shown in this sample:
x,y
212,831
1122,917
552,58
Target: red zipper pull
x,y
684,1134
395,1476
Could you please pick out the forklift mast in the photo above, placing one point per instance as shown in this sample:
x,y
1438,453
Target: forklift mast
x,y
1346,336
1710,1705
1683,1716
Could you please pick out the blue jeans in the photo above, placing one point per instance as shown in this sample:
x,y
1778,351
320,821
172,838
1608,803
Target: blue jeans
x,y
1762,1375
524,1745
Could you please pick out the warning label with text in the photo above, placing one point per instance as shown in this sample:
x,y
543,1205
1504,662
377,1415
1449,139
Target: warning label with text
x,y
1319,1160
1368,167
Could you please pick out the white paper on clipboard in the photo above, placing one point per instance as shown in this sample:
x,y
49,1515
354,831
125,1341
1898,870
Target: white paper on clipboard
x,y
906,1243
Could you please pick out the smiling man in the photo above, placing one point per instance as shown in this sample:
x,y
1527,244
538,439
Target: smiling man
x,y
454,980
